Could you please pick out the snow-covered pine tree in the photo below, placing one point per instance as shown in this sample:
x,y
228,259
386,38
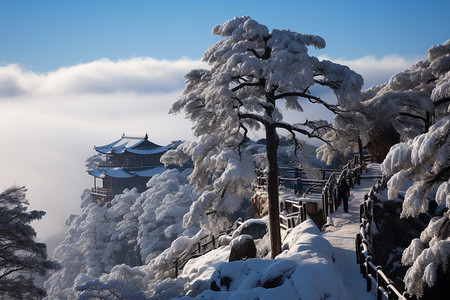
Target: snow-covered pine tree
x,y
21,258
425,160
253,72
405,102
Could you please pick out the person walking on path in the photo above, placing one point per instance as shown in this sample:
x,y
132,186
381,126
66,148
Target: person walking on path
x,y
298,187
344,193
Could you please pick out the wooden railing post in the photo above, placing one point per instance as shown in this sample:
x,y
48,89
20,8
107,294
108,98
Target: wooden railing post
x,y
362,261
361,212
368,279
327,198
358,247
379,285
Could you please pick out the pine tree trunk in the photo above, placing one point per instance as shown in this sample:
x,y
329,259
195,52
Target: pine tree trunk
x,y
272,189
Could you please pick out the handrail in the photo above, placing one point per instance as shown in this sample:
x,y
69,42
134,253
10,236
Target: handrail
x,y
197,249
287,221
100,191
130,164
295,217
373,274
352,171
201,247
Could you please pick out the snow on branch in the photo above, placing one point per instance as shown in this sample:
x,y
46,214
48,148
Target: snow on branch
x,y
252,68
423,160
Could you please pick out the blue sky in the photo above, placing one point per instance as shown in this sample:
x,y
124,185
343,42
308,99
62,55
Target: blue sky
x,y
74,74
44,35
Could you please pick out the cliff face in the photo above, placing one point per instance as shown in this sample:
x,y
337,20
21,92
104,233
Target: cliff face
x,y
381,140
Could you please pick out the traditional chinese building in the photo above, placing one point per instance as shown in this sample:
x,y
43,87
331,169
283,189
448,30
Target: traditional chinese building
x,y
126,163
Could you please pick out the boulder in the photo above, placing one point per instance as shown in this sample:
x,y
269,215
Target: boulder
x,y
242,248
257,228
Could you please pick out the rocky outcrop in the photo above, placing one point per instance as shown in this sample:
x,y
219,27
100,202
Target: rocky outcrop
x,y
260,205
381,140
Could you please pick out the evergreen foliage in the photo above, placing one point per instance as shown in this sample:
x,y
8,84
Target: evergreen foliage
x,y
22,259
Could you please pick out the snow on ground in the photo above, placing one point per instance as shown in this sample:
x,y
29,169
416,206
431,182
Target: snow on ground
x,y
342,232
313,264
304,270
286,194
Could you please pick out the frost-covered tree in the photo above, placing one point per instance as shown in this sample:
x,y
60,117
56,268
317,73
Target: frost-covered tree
x,y
425,161
409,101
21,258
253,72
160,211
134,230
93,244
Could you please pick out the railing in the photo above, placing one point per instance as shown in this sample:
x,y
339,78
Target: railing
x,y
126,164
374,275
297,216
203,246
352,171
298,209
100,192
311,185
209,243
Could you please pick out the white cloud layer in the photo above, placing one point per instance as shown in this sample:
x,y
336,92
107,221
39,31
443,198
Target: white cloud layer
x,y
49,122
138,75
376,71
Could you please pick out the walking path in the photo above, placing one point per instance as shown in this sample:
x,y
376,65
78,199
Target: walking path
x,y
341,231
